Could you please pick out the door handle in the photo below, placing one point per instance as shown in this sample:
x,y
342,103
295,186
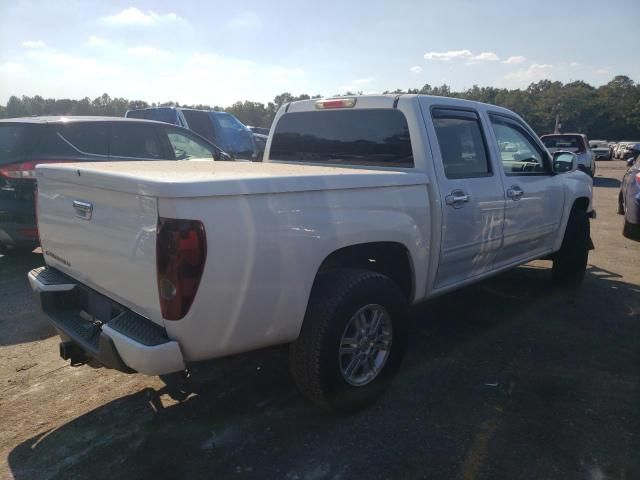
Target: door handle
x,y
515,192
456,198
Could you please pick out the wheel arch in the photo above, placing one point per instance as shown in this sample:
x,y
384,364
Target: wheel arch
x,y
389,258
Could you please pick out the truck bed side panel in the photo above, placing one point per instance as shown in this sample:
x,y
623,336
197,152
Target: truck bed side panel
x,y
264,252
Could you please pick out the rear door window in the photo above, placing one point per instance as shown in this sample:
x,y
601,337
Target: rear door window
x,y
90,138
373,137
462,145
200,123
134,140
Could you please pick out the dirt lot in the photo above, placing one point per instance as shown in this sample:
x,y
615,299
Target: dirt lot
x,y
505,379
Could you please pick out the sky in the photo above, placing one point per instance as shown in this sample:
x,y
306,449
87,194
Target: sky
x,y
213,52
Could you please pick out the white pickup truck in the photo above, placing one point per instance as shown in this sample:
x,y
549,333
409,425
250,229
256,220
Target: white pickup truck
x,y
363,206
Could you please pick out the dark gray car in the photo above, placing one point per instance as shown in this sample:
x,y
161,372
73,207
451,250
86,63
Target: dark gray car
x,y
629,198
27,142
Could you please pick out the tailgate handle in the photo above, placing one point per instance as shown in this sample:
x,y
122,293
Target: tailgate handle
x,y
83,209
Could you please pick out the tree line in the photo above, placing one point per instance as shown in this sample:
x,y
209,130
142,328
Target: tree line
x,y
610,111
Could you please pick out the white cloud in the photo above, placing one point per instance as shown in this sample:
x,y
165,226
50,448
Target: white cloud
x,y
245,20
33,44
147,51
12,68
94,41
363,81
574,64
448,56
416,69
514,59
133,16
535,72
603,71
486,57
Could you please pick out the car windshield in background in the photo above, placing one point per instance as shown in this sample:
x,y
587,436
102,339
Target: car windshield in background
x,y
563,141
12,142
375,137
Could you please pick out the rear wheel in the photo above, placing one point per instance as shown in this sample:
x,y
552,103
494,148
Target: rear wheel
x,y
352,340
570,262
631,230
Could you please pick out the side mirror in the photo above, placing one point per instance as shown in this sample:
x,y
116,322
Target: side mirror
x,y
564,162
631,161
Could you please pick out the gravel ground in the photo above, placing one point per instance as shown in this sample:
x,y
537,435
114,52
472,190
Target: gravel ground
x,y
505,379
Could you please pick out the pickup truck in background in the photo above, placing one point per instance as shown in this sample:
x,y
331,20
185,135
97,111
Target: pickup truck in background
x,y
363,206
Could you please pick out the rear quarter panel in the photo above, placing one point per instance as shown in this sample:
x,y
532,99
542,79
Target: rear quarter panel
x,y
264,252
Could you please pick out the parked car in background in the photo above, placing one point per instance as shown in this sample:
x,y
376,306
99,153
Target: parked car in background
x,y
601,149
576,143
629,198
221,128
27,142
363,206
620,149
630,150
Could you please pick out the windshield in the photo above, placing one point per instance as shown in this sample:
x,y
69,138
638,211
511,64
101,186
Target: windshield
x,y
234,136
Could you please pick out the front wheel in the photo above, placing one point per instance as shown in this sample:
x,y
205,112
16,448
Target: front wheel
x,y
570,262
352,339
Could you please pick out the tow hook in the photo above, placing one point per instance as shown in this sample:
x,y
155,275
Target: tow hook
x,y
71,351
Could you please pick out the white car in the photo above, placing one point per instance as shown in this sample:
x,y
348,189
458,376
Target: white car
x,y
601,149
363,206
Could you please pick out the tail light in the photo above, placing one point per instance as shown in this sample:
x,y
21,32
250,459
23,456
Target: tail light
x,y
336,103
181,251
25,170
638,179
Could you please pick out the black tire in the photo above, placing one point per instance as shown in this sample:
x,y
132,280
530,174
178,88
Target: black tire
x,y
314,358
570,262
631,230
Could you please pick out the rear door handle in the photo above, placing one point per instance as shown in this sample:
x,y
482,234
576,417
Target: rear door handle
x,y
457,198
515,192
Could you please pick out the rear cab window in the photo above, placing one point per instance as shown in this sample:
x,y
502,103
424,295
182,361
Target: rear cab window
x,y
371,137
572,143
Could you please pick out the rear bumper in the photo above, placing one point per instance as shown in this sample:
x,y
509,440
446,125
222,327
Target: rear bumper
x,y
91,326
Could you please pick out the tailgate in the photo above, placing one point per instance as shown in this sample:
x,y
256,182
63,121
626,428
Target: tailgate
x,y
102,238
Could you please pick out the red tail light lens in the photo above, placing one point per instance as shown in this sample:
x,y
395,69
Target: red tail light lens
x,y
25,170
638,179
181,252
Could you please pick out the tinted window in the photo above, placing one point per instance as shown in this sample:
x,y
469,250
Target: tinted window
x,y
462,145
12,142
86,137
51,144
167,115
134,140
200,123
355,137
186,146
519,153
